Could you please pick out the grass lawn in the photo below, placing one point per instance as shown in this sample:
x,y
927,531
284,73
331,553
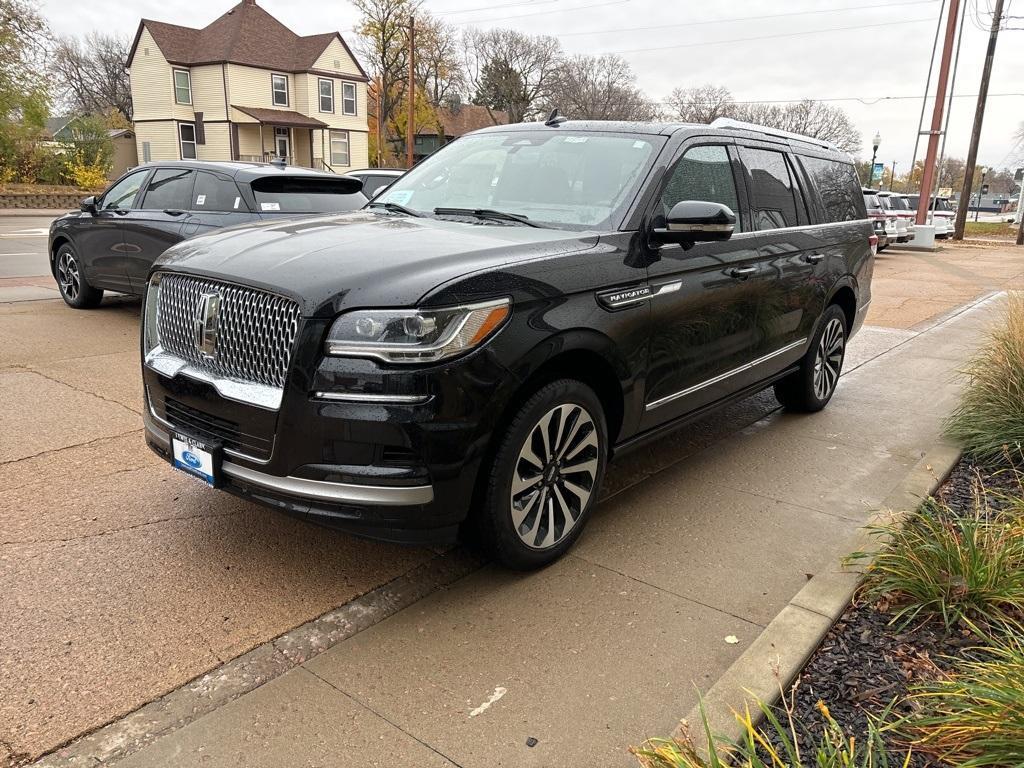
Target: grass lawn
x,y
996,229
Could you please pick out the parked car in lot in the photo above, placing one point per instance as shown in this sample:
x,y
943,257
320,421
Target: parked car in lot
x,y
896,204
882,220
111,243
941,214
377,179
472,349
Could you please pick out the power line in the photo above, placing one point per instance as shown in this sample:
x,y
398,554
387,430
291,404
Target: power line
x,y
495,7
539,13
866,100
769,37
746,18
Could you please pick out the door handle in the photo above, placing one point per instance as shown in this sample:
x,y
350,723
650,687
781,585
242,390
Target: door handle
x,y
174,212
814,258
742,272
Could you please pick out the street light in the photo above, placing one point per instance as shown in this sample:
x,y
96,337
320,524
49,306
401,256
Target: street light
x,y
981,186
875,143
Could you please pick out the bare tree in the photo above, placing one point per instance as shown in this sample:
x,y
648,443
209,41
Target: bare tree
x,y
384,46
815,119
701,104
91,74
511,71
24,87
439,60
599,88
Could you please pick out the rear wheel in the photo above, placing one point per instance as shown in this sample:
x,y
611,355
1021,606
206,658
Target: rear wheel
x,y
545,476
810,388
74,289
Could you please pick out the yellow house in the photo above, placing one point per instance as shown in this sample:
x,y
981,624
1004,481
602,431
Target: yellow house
x,y
246,87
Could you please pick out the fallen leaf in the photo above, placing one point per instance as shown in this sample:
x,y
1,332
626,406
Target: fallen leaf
x,y
732,639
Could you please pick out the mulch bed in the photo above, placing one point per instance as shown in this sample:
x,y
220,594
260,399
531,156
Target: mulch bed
x,y
865,663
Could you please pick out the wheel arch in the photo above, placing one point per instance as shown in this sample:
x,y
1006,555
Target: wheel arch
x,y
844,295
55,244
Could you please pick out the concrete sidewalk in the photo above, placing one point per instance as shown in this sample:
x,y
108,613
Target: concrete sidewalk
x,y
610,645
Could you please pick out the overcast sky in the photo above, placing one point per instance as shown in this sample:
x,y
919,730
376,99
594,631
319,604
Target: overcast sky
x,y
688,43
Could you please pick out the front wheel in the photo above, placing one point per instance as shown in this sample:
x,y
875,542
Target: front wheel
x,y
545,476
810,388
74,288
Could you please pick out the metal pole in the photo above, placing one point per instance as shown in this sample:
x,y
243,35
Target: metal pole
x,y
410,129
927,85
949,112
979,119
940,103
1020,215
981,186
892,175
871,173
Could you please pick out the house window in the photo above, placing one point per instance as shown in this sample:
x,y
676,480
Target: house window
x,y
182,86
326,95
348,98
187,137
279,86
339,148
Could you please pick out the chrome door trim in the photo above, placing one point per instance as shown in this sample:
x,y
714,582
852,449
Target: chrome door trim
x,y
723,376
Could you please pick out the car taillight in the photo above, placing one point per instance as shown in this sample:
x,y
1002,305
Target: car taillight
x,y
873,242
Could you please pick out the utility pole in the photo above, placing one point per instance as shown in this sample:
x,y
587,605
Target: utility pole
x,y
979,118
940,102
410,128
892,175
1020,207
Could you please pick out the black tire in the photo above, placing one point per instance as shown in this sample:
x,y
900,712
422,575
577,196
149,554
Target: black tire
x,y
577,437
74,289
810,388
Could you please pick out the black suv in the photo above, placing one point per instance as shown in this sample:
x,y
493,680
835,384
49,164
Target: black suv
x,y
112,242
472,349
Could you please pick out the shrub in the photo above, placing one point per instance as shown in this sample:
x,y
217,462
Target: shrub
x,y
960,566
974,716
85,175
774,745
989,420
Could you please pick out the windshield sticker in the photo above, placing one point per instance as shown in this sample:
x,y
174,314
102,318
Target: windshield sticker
x,y
200,199
400,196
270,206
639,144
576,139
238,200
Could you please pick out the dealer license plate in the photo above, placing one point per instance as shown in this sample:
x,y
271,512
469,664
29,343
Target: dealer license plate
x,y
195,457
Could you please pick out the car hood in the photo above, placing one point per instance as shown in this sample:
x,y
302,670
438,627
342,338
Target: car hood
x,y
363,258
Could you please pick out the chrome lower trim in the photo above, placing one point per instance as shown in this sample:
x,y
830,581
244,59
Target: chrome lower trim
x,y
318,490
248,392
722,377
366,397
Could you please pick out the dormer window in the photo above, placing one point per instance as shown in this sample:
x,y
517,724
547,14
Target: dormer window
x,y
279,88
182,86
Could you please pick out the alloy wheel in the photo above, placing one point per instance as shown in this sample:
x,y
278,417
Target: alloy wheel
x,y
829,359
67,275
554,476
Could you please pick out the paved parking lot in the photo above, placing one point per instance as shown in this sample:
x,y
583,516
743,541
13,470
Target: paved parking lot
x,y
123,580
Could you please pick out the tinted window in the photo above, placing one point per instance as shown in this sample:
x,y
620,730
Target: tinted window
x,y
703,173
374,184
283,194
216,193
771,189
872,203
838,186
122,194
913,201
897,203
169,189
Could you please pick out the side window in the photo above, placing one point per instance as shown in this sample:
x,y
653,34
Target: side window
x,y
771,189
216,193
703,173
122,194
169,189
838,186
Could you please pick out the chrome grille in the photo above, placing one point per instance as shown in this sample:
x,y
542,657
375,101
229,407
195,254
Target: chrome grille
x,y
255,330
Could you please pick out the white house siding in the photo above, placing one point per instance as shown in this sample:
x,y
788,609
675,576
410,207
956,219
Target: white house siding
x,y
152,84
249,140
250,87
218,142
335,52
208,92
162,137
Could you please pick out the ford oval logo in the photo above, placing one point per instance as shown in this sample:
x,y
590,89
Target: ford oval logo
x,y
191,459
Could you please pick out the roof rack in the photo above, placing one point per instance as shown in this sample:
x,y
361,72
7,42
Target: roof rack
x,y
739,125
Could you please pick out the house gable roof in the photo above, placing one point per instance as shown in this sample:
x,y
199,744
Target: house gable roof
x,y
464,119
246,34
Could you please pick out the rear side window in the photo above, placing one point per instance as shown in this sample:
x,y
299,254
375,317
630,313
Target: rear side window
x,y
838,186
216,193
297,194
872,203
169,189
703,173
772,204
374,184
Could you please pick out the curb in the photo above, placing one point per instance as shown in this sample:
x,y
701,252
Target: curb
x,y
129,734
780,652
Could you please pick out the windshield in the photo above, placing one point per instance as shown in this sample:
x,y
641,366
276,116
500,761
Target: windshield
x,y
897,203
297,194
573,180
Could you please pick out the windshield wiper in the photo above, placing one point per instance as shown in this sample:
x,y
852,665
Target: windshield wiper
x,y
396,208
485,213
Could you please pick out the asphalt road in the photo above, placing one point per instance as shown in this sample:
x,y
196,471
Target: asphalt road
x,y
23,246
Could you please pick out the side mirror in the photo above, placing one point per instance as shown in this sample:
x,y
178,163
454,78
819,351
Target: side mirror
x,y
693,221
88,204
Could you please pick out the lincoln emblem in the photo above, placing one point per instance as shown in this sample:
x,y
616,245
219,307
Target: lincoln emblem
x,y
206,323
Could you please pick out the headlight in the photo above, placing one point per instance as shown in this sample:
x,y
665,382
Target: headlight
x,y
150,332
415,335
